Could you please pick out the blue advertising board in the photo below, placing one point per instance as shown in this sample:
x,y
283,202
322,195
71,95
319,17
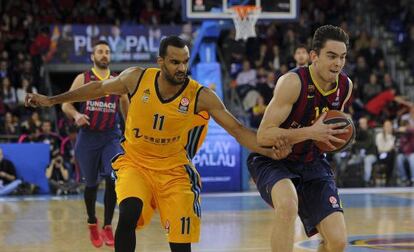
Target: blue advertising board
x,y
127,42
31,161
218,161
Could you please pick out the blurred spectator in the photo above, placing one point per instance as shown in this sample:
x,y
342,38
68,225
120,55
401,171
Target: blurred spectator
x,y
3,69
38,50
371,89
8,177
409,117
373,53
25,88
366,147
246,80
362,42
376,105
361,73
275,61
49,137
260,57
257,112
8,94
266,88
385,142
408,48
406,153
187,33
58,177
33,123
149,15
301,56
233,53
68,153
10,127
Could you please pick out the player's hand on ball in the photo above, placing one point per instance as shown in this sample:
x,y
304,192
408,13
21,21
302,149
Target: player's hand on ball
x,y
37,100
325,133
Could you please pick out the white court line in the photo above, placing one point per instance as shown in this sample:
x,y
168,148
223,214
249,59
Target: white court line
x,y
375,190
343,191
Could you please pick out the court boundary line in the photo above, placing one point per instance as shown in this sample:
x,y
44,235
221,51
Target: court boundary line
x,y
342,191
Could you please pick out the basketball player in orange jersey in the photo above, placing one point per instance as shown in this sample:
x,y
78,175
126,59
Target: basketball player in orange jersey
x,y
98,141
303,182
154,171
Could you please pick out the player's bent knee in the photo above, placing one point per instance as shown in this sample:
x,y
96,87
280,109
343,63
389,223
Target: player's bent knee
x,y
336,244
286,208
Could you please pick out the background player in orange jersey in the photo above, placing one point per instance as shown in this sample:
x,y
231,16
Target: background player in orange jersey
x,y
155,171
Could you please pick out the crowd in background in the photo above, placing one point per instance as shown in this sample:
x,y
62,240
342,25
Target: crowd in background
x,y
383,115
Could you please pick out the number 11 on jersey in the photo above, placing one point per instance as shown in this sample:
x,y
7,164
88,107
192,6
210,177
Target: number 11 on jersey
x,y
158,122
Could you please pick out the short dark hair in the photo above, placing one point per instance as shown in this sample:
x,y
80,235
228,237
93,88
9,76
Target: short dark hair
x,y
328,32
301,46
100,42
171,41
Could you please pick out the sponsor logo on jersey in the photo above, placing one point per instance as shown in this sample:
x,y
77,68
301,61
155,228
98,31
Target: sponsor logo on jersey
x,y
146,96
333,202
184,104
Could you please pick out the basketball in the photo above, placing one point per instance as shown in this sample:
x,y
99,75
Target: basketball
x,y
336,116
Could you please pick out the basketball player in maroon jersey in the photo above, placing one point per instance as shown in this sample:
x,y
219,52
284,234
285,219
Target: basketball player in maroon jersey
x,y
98,141
303,182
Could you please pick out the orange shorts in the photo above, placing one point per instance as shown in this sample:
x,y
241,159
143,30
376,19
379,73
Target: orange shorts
x,y
174,192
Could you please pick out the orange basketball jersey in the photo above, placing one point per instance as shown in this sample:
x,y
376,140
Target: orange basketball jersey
x,y
197,133
156,129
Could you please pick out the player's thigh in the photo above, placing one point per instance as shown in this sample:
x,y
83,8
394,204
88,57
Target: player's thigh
x,y
179,205
284,195
109,151
89,164
133,182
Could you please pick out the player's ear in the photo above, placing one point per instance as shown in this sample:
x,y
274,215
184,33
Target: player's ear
x,y
160,60
313,55
92,57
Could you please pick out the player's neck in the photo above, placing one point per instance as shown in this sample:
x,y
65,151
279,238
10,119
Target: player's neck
x,y
317,79
101,73
166,88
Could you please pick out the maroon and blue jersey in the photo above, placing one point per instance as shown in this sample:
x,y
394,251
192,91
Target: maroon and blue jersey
x,y
312,102
103,112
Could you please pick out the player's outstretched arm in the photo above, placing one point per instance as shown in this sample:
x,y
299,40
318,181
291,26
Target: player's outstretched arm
x,y
287,92
208,101
70,110
122,84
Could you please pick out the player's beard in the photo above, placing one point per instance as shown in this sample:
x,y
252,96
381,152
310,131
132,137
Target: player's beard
x,y
101,64
173,79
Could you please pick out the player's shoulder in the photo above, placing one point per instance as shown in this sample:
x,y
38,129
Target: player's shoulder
x,y
135,70
289,80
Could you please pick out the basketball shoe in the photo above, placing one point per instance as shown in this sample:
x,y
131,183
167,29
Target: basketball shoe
x,y
94,235
107,235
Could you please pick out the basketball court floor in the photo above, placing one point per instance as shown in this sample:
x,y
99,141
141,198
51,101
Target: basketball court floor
x,y
378,219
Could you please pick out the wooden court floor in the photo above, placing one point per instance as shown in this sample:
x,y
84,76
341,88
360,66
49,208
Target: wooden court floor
x,y
377,220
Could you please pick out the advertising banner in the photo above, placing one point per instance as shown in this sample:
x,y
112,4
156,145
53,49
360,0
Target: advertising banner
x,y
218,161
128,43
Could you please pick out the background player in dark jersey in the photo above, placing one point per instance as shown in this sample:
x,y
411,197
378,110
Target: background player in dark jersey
x,y
303,182
98,141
